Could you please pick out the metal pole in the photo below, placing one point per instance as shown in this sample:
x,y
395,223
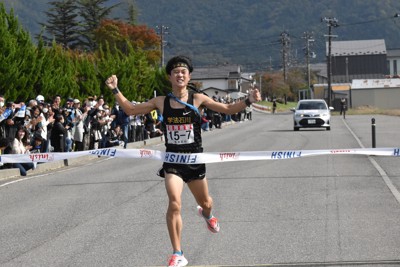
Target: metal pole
x,y
329,65
373,126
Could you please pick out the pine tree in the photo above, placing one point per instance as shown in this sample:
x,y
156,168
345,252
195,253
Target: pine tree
x,y
62,24
133,13
92,13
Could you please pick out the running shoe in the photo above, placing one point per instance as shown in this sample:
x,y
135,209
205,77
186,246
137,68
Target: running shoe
x,y
212,224
177,261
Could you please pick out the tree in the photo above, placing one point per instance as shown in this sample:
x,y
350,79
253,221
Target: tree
x,y
92,13
62,24
273,85
18,58
133,13
297,80
136,75
117,34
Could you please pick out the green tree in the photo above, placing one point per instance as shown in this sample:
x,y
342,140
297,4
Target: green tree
x,y
92,13
62,24
58,75
135,73
133,13
18,58
296,80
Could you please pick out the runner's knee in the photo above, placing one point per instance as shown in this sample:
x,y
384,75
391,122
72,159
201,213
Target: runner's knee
x,y
174,206
207,203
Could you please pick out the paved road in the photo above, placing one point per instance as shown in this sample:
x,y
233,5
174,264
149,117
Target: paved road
x,y
316,211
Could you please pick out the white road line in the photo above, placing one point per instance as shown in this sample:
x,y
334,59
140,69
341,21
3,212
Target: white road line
x,y
383,174
48,173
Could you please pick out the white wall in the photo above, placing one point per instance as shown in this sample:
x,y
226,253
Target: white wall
x,y
217,83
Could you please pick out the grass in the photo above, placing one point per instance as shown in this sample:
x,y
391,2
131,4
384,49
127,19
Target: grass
x,y
364,110
367,110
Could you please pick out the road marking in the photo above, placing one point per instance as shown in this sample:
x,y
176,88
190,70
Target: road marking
x,y
383,174
47,173
309,264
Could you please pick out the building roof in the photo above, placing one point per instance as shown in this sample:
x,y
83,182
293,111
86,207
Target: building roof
x,y
335,86
375,83
217,72
319,68
357,47
394,52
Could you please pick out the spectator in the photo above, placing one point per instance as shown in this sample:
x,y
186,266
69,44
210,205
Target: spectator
x,y
19,146
13,121
5,148
204,122
56,104
249,113
78,129
67,113
115,137
37,144
3,117
59,134
121,119
137,129
149,126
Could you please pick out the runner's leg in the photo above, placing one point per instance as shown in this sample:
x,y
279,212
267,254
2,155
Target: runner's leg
x,y
199,189
174,186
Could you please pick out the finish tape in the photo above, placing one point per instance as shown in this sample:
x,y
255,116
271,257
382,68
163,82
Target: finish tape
x,y
196,158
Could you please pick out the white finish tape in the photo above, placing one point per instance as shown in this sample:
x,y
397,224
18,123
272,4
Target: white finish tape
x,y
196,158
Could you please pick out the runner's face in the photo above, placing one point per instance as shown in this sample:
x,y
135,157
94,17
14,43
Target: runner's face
x,y
179,77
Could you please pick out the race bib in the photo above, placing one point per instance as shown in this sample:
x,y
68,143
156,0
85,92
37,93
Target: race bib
x,y
180,134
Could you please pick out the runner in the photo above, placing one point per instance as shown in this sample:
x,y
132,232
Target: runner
x,y
181,111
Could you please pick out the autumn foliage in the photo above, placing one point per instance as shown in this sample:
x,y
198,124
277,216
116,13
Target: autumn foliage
x,y
117,34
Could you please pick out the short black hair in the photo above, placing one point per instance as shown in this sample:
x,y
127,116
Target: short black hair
x,y
174,62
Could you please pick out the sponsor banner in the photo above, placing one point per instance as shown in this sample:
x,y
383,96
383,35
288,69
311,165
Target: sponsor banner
x,y
196,158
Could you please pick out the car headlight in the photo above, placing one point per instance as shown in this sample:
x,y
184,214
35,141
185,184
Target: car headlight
x,y
325,114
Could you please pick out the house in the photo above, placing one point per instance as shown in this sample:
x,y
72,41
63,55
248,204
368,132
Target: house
x,y
356,64
380,93
393,62
359,59
223,81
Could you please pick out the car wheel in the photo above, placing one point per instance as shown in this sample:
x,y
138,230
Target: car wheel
x,y
328,128
296,128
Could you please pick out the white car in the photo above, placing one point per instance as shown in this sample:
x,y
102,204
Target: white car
x,y
311,113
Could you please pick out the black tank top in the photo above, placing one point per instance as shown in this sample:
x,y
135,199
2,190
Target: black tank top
x,y
182,128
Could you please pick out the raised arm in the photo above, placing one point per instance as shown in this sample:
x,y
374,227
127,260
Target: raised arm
x,y
203,100
127,106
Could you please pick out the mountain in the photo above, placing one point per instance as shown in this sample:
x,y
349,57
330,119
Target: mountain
x,y
247,32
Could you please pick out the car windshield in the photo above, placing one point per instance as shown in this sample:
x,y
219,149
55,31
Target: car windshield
x,y
312,105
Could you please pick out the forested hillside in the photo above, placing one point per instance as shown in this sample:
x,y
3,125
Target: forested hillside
x,y
247,32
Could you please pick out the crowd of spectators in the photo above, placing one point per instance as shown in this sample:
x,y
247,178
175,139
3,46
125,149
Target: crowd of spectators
x,y
65,125
54,124
211,119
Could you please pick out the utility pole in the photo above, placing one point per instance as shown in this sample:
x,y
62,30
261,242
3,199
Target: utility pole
x,y
331,22
162,31
285,40
309,38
